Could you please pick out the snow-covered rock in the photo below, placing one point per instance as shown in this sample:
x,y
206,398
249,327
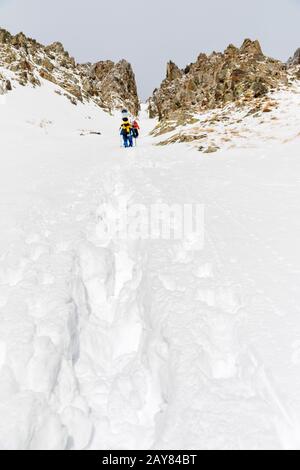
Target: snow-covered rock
x,y
109,85
238,75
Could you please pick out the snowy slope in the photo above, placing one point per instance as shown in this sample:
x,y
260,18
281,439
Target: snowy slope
x,y
118,344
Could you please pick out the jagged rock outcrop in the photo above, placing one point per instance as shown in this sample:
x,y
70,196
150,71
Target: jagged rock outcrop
x,y
173,71
237,75
109,85
295,60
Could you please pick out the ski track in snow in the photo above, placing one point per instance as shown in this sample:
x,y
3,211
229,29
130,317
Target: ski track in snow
x,y
110,344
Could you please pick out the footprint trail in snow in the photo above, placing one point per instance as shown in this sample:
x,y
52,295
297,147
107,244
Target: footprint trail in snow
x,y
147,344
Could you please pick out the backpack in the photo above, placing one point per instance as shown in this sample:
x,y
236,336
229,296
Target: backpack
x,y
126,128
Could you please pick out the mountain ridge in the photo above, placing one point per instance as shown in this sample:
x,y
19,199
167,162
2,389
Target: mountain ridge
x,y
237,75
109,85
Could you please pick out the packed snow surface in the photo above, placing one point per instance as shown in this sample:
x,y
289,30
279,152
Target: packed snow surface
x,y
146,344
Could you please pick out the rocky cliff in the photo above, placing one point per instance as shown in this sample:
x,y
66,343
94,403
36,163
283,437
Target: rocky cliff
x,y
295,60
109,85
238,75
294,65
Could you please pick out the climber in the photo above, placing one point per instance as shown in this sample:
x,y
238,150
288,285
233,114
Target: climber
x,y
135,128
126,133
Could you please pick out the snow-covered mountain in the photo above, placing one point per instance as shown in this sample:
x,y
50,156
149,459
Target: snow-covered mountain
x,y
109,85
242,77
125,343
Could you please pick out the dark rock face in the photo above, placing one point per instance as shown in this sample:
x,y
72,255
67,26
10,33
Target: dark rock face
x,y
111,86
173,71
295,60
237,75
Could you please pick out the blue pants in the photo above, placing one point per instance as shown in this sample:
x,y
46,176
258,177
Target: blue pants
x,y
128,141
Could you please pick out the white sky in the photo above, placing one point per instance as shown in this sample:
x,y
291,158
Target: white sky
x,y
149,33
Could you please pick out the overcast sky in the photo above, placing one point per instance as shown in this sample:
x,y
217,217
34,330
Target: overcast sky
x,y
149,33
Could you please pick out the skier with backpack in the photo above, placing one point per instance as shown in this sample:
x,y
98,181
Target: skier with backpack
x,y
135,129
126,132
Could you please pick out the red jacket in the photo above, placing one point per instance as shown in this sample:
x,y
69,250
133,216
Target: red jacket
x,y
135,125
